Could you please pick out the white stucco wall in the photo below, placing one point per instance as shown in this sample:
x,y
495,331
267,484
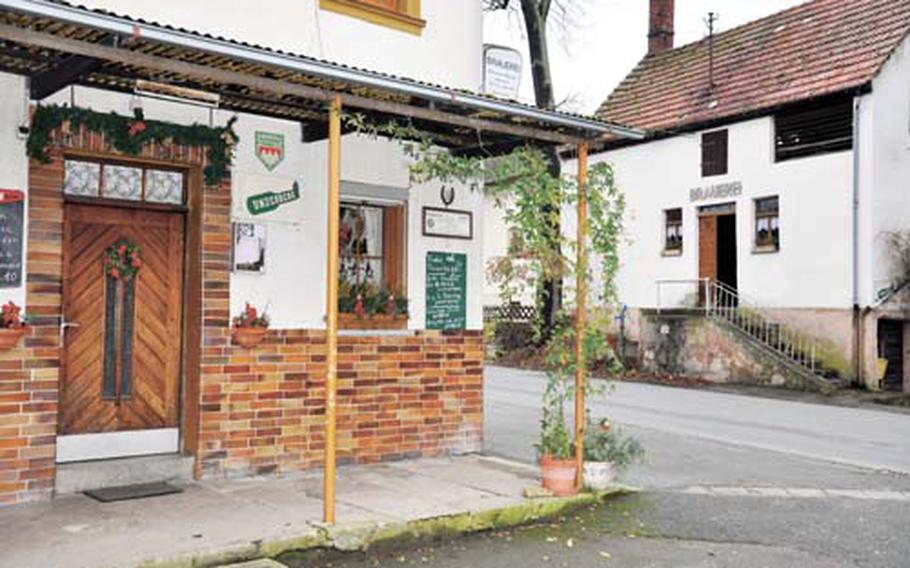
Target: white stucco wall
x,y
812,268
885,186
292,287
13,165
448,51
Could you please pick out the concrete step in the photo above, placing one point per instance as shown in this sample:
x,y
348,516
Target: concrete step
x,y
85,476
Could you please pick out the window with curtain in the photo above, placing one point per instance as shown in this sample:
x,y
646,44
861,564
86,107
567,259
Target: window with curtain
x,y
673,236
767,224
371,245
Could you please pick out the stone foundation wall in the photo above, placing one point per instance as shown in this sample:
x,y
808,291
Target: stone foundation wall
x,y
687,343
402,396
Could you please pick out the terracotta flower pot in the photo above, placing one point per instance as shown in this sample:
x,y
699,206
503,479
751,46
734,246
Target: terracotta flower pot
x,y
558,476
9,338
249,337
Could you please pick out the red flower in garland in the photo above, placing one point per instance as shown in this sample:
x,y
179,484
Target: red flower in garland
x,y
122,260
137,128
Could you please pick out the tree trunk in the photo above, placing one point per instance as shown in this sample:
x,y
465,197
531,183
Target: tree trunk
x,y
535,17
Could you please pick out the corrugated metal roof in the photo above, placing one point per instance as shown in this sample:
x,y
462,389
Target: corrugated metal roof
x,y
65,20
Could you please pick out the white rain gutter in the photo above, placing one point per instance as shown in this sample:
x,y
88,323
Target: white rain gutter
x,y
120,26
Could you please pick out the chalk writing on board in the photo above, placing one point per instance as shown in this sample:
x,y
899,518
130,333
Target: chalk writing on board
x,y
446,291
12,211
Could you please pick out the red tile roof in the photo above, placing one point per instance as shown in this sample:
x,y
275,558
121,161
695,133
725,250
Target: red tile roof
x,y
814,49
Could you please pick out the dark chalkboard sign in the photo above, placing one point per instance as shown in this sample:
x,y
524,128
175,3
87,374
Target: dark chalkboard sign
x,y
446,290
12,214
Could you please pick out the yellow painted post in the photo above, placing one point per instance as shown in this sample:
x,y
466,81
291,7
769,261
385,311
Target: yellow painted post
x,y
581,297
331,309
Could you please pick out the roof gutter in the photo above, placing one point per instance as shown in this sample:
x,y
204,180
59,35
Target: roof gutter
x,y
121,26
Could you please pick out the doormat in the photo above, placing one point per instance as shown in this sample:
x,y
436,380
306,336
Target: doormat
x,y
138,491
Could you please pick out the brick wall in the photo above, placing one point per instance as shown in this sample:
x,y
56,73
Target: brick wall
x,y
30,374
398,397
261,410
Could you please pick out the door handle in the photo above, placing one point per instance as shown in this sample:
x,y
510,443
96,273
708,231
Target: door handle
x,y
63,325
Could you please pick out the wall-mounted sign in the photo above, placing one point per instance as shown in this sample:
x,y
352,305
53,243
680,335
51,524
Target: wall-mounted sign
x,y
270,149
448,223
248,250
271,200
12,212
446,293
501,71
717,191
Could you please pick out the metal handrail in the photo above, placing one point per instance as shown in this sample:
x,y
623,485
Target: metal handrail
x,y
723,302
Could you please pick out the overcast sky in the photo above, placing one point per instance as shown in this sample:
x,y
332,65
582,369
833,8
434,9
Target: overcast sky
x,y
606,38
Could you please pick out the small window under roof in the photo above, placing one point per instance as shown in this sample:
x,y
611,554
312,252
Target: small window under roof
x,y
817,128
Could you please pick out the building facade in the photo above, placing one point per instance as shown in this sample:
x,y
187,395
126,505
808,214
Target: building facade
x,y
132,265
776,168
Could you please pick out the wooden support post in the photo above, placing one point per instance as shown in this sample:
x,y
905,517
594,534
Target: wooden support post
x,y
331,308
581,306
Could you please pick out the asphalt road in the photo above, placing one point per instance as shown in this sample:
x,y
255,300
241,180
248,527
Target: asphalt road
x,y
730,481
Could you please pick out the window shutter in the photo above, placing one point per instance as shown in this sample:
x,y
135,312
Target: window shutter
x,y
714,153
393,248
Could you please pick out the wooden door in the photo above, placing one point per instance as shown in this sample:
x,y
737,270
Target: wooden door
x,y
122,347
891,348
707,247
707,252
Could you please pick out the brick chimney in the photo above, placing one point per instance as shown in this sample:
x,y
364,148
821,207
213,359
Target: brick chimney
x,y
660,33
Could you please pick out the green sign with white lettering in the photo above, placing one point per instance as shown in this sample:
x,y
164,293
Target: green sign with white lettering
x,y
446,293
271,200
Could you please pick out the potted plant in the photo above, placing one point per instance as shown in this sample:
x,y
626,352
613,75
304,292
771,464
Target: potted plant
x,y
556,451
607,452
12,326
250,327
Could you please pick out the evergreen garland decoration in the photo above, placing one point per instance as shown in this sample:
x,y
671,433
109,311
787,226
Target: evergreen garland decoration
x,y
130,134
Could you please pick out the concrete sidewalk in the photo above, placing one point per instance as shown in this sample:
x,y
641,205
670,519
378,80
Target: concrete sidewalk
x,y
222,521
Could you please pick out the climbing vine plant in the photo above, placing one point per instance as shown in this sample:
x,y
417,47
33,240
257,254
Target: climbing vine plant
x,y
532,201
130,135
526,192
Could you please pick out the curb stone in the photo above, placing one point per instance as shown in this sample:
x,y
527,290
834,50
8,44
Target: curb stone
x,y
353,537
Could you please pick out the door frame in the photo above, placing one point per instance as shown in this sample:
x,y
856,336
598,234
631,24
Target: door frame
x,y
713,210
191,326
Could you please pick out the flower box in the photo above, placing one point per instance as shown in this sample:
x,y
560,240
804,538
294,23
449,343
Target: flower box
x,y
372,321
9,338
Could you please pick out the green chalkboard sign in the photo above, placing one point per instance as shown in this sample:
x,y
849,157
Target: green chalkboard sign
x,y
447,277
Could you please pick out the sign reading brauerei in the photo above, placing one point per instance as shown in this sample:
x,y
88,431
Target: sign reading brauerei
x,y
12,215
716,191
501,71
446,291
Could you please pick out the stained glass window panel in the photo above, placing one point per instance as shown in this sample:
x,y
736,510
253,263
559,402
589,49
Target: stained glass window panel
x,y
123,182
164,187
81,178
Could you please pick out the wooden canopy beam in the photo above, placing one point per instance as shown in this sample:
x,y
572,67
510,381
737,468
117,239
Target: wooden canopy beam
x,y
63,75
274,86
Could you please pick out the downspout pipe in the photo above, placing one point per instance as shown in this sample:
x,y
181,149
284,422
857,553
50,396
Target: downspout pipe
x,y
858,314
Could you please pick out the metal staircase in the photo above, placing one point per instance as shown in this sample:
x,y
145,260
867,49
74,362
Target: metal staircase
x,y
725,304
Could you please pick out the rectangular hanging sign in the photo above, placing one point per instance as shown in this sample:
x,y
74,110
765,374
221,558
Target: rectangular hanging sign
x,y
12,224
448,223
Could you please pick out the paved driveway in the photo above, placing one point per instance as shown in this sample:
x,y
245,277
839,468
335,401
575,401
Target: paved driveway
x,y
860,437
